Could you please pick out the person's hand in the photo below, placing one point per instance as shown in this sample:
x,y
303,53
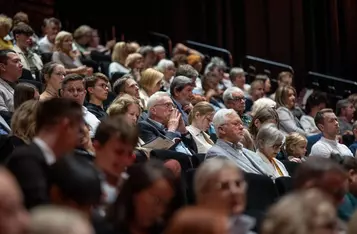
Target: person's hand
x,y
174,121
82,69
187,108
110,44
210,93
297,160
89,71
182,127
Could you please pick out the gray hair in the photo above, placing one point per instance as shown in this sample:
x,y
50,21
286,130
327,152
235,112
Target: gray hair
x,y
159,49
342,104
220,117
262,103
164,64
235,71
208,171
155,98
269,135
179,83
228,93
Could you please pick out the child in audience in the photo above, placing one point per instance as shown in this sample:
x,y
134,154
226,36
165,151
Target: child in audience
x,y
296,147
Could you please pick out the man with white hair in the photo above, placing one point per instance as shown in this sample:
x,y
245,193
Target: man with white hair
x,y
237,77
165,121
229,129
234,98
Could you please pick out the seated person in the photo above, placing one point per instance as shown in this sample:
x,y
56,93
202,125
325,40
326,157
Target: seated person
x,y
97,87
269,141
295,147
165,121
229,129
327,123
345,111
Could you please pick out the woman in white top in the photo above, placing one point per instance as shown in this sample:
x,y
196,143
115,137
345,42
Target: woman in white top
x,y
315,102
285,99
269,141
119,55
200,119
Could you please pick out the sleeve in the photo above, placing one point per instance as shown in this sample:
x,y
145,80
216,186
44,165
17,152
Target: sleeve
x,y
30,177
287,123
56,57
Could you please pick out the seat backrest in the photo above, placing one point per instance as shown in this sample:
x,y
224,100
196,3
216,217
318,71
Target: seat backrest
x,y
190,192
261,192
284,185
290,166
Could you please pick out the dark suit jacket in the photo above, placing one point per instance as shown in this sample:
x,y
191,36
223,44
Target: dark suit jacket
x,y
30,168
149,131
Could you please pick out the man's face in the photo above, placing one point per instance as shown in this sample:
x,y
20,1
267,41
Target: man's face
x,y
237,103
240,81
132,88
258,91
349,111
52,31
286,81
12,70
75,90
163,109
115,155
100,90
330,125
13,216
185,95
23,41
232,130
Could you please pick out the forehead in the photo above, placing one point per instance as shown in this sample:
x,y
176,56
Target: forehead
x,y
131,82
12,56
99,80
228,174
238,94
330,115
165,99
75,83
232,118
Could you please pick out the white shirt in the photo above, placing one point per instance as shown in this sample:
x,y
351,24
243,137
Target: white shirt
x,y
45,45
91,120
270,168
324,147
308,123
46,150
117,67
198,136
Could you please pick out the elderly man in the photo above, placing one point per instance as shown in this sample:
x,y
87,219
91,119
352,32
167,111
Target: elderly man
x,y
229,129
229,198
345,111
165,121
234,99
181,92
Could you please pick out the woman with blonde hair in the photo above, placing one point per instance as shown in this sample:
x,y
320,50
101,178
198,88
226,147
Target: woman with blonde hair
x,y
150,83
200,119
119,55
23,123
65,55
136,63
301,213
126,105
295,146
195,220
5,27
285,100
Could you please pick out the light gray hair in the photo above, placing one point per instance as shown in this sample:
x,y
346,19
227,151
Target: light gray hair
x,y
159,49
235,71
228,93
220,117
262,103
208,171
164,64
155,98
179,83
269,135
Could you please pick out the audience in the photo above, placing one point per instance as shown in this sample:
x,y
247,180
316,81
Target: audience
x,y
97,87
53,75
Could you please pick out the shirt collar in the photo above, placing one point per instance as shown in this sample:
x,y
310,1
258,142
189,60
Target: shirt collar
x,y
46,150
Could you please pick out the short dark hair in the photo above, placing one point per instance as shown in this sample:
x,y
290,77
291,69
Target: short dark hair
x,y
23,92
319,117
78,180
119,127
92,80
4,55
51,111
119,84
187,70
52,20
315,99
72,77
22,28
313,169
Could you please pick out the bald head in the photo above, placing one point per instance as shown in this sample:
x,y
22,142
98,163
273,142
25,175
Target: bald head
x,y
13,216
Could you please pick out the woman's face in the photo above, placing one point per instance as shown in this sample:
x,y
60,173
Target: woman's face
x,y
290,99
156,87
267,86
203,121
169,72
151,204
56,78
139,64
132,115
67,43
270,151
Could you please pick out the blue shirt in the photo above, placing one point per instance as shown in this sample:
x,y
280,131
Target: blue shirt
x,y
353,148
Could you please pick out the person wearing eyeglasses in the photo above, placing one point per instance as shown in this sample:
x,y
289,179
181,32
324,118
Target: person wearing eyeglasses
x,y
97,92
220,186
73,88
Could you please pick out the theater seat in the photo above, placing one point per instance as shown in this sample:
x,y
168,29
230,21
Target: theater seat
x,y
284,185
290,166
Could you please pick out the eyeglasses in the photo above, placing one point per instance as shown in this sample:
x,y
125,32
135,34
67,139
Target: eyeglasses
x,y
103,86
236,124
238,99
166,105
226,185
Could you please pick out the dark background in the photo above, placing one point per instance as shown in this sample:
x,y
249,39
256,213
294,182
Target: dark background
x,y
309,35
